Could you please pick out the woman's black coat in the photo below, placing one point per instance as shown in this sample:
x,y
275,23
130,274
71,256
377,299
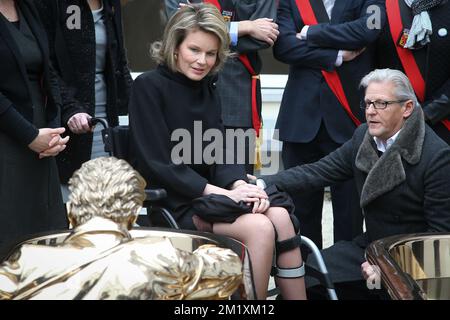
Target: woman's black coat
x,y
30,198
73,53
15,90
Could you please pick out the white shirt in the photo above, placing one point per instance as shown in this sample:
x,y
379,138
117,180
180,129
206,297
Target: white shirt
x,y
329,4
382,146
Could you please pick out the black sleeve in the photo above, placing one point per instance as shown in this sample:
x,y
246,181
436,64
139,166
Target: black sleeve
x,y
151,143
437,192
350,35
226,173
56,95
335,167
438,108
291,50
125,79
17,127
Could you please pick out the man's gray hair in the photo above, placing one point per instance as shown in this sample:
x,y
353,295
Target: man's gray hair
x,y
105,187
404,90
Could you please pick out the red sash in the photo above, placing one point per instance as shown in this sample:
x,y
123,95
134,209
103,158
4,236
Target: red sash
x,y
215,3
256,120
405,55
332,78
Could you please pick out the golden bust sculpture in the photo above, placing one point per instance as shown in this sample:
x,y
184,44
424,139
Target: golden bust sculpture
x,y
100,259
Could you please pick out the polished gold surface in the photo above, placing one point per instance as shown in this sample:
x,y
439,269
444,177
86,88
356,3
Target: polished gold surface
x,y
414,266
99,260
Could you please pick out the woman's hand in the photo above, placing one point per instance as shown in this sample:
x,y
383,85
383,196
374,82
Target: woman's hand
x,y
50,140
261,206
237,183
248,193
59,144
79,123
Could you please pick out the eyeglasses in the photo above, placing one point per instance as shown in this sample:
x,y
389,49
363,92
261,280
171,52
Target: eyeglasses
x,y
378,104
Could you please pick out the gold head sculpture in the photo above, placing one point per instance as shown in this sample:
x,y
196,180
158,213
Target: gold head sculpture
x,y
100,259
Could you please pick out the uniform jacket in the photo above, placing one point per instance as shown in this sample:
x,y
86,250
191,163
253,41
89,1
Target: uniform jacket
x,y
307,99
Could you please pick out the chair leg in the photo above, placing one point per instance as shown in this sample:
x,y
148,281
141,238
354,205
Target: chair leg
x,y
322,267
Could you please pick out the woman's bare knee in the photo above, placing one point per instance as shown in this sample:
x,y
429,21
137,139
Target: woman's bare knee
x,y
282,221
260,227
248,227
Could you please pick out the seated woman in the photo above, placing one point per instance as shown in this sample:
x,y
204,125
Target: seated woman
x,y
178,100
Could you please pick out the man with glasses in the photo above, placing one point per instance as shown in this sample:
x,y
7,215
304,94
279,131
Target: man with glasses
x,y
401,169
328,45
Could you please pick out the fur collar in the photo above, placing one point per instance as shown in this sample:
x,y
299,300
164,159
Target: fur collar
x,y
387,172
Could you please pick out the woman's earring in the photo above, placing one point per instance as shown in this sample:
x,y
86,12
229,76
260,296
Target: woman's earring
x,y
175,55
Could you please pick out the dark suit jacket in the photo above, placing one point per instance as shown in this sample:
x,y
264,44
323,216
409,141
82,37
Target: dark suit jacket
x,y
407,190
307,98
73,51
432,59
16,107
234,84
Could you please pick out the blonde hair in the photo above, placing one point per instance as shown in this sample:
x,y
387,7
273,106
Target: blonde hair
x,y
204,17
105,187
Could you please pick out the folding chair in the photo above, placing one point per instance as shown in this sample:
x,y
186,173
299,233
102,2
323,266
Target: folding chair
x,y
116,144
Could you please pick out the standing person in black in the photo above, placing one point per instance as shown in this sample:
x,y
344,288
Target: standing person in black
x,y
416,40
86,47
30,198
178,100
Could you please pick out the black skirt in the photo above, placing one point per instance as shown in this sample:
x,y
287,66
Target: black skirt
x,y
219,208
